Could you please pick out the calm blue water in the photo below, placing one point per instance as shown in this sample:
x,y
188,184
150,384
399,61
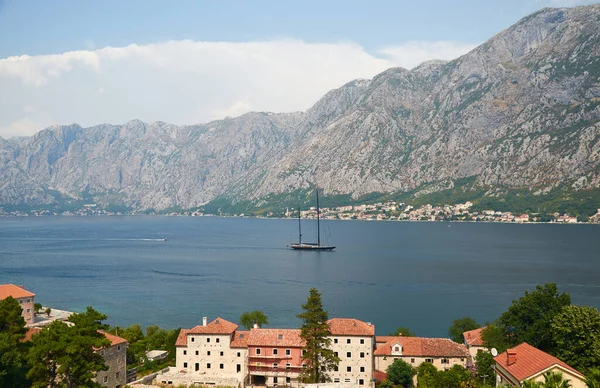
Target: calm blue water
x,y
419,275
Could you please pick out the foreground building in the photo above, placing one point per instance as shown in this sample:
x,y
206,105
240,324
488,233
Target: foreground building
x,y
216,353
24,297
474,343
443,353
525,362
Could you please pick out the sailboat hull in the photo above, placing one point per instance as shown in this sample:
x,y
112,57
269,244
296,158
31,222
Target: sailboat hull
x,y
311,247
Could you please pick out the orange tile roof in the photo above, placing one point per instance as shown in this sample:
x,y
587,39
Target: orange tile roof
x,y
182,338
422,347
7,290
240,339
218,326
114,339
275,338
529,362
473,337
379,375
350,326
30,333
381,339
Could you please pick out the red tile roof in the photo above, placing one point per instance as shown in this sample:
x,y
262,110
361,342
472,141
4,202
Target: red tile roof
x,y
30,333
16,292
218,326
529,361
350,326
381,339
473,337
379,375
275,338
240,339
114,339
182,338
422,347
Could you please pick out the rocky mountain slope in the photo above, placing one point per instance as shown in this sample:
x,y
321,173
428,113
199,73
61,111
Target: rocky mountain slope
x,y
521,111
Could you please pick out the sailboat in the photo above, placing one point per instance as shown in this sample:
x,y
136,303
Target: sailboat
x,y
310,246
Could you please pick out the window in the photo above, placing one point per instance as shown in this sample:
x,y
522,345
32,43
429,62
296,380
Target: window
x,y
335,340
361,382
346,380
336,354
197,352
208,366
288,380
257,350
336,380
218,340
239,354
412,360
362,368
207,339
280,336
193,338
349,354
274,352
221,366
335,368
303,366
208,353
348,341
362,354
238,368
348,369
303,352
221,354
275,365
118,347
429,360
105,379
288,366
185,364
274,380
28,300
184,352
362,341
288,352
445,361
28,310
197,367
117,375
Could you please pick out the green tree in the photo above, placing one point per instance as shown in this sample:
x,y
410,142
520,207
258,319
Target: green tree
x,y
576,331
454,377
592,378
64,356
404,331
459,326
555,380
529,318
13,365
427,375
531,384
484,366
133,333
37,308
495,337
317,355
400,373
248,319
48,311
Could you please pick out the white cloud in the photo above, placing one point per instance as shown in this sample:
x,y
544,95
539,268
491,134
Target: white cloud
x,y
187,82
413,53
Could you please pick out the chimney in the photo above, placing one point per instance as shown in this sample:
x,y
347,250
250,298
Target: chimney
x,y
255,326
204,321
511,357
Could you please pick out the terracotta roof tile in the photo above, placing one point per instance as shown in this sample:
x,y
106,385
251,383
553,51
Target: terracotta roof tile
x,y
182,338
114,339
218,326
240,339
7,290
350,326
30,333
275,337
422,347
379,375
381,339
529,362
473,337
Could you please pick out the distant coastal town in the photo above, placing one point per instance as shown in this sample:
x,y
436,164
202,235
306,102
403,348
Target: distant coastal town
x,y
382,211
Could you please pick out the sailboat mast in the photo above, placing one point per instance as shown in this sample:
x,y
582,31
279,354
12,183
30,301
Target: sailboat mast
x,y
299,227
318,221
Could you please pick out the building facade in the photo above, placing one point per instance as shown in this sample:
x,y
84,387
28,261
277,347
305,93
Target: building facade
x,y
354,343
474,343
115,358
24,297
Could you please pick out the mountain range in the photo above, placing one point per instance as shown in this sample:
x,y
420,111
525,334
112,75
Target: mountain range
x,y
518,114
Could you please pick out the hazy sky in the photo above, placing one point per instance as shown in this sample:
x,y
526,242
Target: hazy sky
x,y
186,62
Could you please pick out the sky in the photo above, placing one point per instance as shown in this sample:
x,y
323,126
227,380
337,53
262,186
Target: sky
x,y
187,62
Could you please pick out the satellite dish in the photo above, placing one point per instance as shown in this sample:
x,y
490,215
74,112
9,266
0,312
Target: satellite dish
x,y
494,352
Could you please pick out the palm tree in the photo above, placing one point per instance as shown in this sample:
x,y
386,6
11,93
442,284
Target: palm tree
x,y
555,380
592,379
531,384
